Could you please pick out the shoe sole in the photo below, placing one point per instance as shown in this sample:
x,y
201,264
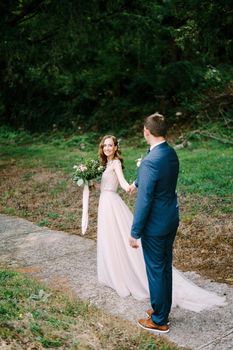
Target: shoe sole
x,y
151,330
168,323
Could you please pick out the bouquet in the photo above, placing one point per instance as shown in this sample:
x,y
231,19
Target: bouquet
x,y
87,171
84,173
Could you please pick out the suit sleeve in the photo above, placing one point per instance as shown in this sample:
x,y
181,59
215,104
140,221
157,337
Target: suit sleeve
x,y
147,179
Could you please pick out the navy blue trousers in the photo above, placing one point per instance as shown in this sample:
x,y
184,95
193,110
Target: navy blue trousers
x,y
158,258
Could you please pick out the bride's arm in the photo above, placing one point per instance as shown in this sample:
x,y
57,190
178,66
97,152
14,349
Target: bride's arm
x,y
118,169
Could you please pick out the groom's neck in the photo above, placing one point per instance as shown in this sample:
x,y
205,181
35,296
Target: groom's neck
x,y
155,140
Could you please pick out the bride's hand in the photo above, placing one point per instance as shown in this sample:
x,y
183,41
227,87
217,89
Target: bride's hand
x,y
93,185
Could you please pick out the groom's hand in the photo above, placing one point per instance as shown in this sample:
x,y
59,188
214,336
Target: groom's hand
x,y
133,243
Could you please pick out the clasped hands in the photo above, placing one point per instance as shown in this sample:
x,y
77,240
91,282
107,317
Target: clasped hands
x,y
132,188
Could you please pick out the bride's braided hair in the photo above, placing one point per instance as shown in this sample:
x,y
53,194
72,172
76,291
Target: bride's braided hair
x,y
117,155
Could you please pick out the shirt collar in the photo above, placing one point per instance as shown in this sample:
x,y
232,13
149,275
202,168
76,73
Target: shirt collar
x,y
157,144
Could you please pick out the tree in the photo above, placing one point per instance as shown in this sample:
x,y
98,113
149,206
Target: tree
x,y
104,64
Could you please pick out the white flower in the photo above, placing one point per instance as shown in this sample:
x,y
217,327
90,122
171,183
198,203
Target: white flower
x,y
82,167
139,160
80,182
75,167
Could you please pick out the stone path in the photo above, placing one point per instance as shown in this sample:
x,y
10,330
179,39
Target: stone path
x,y
58,257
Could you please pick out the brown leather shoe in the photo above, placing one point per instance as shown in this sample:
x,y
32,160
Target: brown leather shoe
x,y
152,327
150,312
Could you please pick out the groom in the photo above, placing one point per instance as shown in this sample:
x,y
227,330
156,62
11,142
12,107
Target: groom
x,y
156,220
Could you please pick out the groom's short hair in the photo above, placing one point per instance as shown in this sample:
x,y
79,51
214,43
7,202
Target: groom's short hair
x,y
156,124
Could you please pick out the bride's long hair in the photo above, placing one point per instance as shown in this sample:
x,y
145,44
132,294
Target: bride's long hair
x,y
102,157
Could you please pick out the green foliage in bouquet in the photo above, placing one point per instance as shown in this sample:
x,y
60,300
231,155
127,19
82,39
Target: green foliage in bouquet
x,y
89,169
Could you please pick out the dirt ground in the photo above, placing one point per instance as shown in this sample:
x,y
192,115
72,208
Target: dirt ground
x,y
204,241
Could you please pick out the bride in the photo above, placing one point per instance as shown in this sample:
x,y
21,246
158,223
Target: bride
x,y
118,265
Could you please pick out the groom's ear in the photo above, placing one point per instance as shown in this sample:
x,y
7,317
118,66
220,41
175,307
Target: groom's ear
x,y
146,131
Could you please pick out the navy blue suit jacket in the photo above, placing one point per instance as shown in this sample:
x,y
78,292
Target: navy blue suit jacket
x,y
156,211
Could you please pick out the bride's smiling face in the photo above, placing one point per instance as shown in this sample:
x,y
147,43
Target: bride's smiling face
x,y
109,148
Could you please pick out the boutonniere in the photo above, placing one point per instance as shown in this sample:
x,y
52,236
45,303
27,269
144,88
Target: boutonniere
x,y
138,162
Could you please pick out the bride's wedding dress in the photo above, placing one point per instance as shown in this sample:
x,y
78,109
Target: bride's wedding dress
x,y
121,267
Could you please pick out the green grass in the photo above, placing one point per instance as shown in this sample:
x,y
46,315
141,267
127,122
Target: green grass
x,y
24,311
34,316
58,151
206,169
